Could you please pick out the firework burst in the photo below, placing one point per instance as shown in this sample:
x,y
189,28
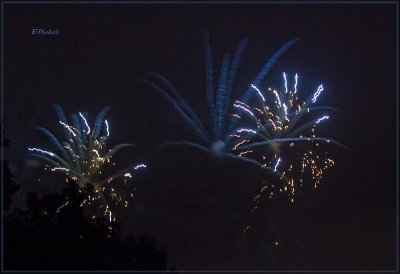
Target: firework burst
x,y
216,138
82,157
280,139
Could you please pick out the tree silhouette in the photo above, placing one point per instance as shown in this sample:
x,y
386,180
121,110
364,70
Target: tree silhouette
x,y
9,185
55,233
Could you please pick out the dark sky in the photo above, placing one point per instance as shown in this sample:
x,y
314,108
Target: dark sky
x,y
102,49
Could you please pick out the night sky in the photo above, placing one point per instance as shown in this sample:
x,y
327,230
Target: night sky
x,y
187,199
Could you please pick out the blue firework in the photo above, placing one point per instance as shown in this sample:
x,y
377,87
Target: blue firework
x,y
217,138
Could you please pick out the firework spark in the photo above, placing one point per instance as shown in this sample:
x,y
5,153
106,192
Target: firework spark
x,y
140,166
60,168
61,206
246,130
41,151
107,128
277,164
244,108
86,123
295,83
322,118
317,93
284,77
259,92
68,127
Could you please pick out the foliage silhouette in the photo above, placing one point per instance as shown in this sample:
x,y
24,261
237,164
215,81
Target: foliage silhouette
x,y
9,184
48,236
